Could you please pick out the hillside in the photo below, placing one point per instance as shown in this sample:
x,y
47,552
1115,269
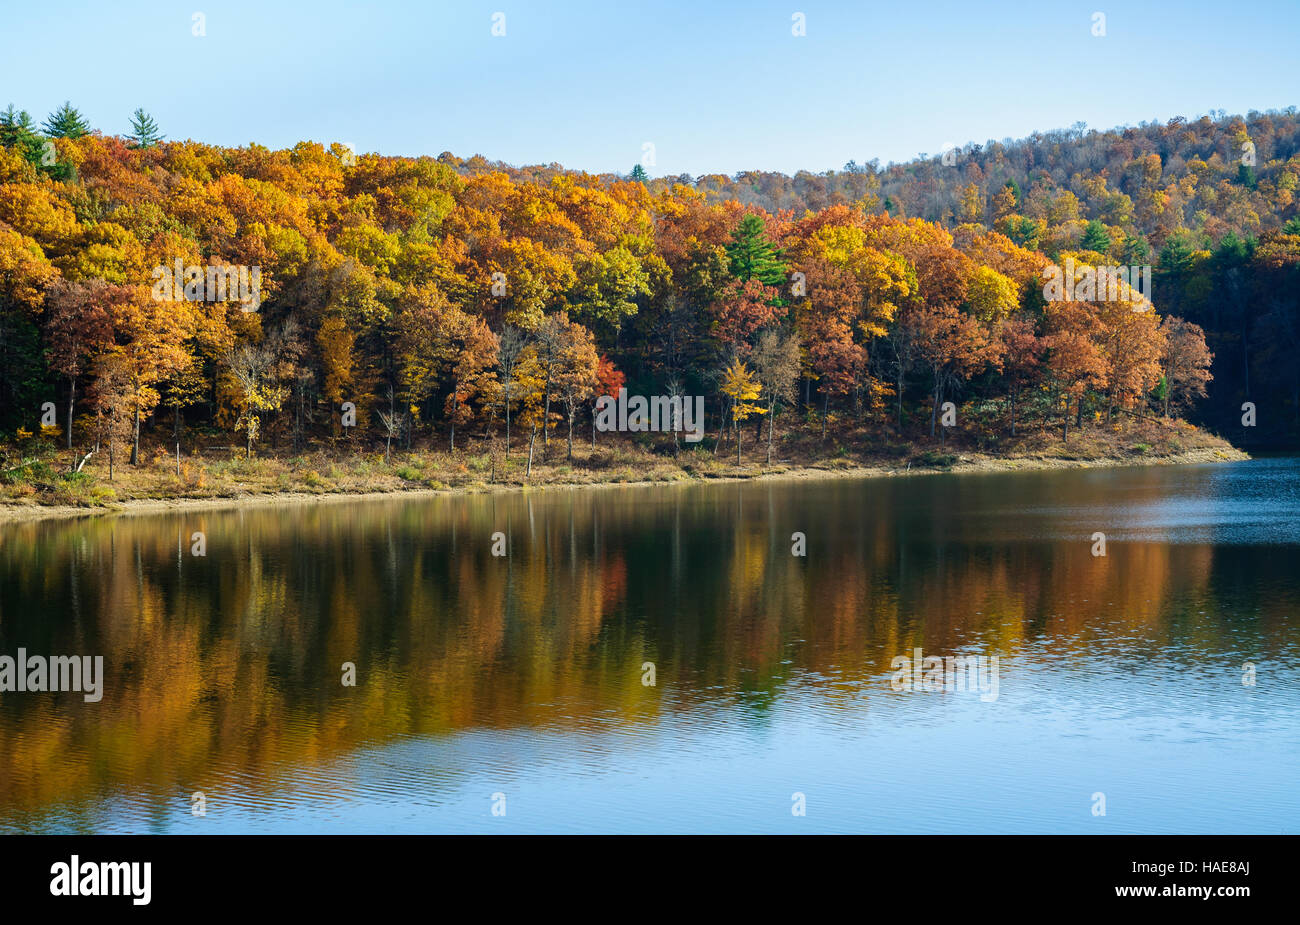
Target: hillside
x,y
156,292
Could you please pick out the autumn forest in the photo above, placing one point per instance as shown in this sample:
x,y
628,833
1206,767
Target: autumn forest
x,y
387,305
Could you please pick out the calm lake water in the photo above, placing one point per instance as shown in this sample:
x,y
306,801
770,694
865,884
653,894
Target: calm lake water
x,y
483,679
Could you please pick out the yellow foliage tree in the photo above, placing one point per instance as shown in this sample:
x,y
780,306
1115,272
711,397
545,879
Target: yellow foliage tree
x,y
741,385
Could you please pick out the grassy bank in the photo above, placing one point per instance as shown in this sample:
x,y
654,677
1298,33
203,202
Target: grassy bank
x,y
38,480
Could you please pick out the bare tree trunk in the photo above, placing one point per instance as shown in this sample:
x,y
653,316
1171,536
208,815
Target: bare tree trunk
x,y
528,471
135,439
546,413
771,425
297,421
72,403
934,410
900,396
390,423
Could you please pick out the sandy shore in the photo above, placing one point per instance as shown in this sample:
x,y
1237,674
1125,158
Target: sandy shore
x,y
968,463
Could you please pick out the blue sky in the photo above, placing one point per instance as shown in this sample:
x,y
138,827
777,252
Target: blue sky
x,y
715,87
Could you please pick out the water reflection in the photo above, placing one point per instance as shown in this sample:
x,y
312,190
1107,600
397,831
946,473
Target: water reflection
x,y
523,673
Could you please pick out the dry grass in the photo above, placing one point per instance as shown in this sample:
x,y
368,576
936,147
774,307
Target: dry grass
x,y
36,475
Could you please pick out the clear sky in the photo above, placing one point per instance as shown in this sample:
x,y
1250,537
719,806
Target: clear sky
x,y
716,87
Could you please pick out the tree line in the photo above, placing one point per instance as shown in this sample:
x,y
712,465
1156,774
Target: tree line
x,y
431,299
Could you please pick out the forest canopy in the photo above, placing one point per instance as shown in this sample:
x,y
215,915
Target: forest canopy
x,y
437,297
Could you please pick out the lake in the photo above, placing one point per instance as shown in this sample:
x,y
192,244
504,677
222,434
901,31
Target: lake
x,y
657,659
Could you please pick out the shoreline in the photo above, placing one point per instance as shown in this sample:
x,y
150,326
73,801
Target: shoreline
x,y
966,464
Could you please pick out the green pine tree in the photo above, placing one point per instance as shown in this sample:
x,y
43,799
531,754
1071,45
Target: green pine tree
x,y
1232,250
638,175
18,133
1024,232
66,122
1015,189
1096,238
753,256
1177,256
15,126
1133,249
144,130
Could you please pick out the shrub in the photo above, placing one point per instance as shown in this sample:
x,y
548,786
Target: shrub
x,y
937,459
